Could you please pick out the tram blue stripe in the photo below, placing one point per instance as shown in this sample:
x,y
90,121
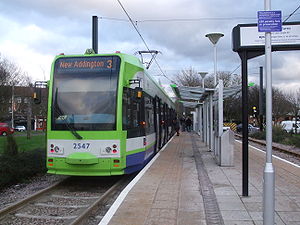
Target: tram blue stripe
x,y
134,159
137,161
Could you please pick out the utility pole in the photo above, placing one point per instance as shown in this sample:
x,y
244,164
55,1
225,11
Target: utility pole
x,y
269,174
95,34
29,114
12,105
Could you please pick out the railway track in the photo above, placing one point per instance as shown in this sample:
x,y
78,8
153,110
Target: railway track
x,y
68,202
275,146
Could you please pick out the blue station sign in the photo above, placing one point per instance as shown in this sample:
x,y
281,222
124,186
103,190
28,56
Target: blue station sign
x,y
269,21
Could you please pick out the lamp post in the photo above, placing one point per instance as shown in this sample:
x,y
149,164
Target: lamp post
x,y
202,118
214,38
203,74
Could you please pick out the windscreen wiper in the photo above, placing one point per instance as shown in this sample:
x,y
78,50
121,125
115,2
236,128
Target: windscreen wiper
x,y
61,114
72,129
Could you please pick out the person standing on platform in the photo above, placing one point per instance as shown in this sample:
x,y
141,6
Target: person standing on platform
x,y
188,124
176,125
182,124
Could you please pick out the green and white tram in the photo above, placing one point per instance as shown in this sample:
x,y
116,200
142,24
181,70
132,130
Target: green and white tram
x,y
106,115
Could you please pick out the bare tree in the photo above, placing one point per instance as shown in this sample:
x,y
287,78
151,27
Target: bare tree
x,y
281,105
229,79
10,76
26,80
10,73
188,77
294,99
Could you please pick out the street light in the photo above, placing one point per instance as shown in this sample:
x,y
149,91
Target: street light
x,y
214,38
203,74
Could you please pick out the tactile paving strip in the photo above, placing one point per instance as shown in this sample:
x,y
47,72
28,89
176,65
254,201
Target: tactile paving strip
x,y
211,207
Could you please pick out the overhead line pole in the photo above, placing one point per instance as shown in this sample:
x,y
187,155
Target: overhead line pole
x,y
269,175
95,34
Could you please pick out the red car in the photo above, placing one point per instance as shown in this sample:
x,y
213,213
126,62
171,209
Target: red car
x,y
5,129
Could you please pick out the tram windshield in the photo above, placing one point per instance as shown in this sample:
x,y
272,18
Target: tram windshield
x,y
84,93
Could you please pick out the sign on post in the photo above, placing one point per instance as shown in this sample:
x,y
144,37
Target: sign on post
x,y
269,21
246,37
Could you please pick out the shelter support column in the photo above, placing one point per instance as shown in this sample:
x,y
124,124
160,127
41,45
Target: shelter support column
x,y
211,132
200,121
205,124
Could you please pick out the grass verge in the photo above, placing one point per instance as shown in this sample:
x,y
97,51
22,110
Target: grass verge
x,y
24,144
21,158
18,168
279,136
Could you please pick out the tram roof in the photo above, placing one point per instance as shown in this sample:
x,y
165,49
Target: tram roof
x,y
130,59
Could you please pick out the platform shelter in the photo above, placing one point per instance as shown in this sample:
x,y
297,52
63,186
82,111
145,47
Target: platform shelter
x,y
208,117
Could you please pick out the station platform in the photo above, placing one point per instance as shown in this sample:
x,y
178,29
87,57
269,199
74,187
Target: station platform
x,y
185,186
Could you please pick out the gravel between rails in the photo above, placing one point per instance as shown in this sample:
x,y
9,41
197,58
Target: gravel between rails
x,y
71,198
76,194
20,191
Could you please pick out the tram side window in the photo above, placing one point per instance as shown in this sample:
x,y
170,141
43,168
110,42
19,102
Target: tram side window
x,y
149,118
125,113
130,110
134,108
170,117
162,115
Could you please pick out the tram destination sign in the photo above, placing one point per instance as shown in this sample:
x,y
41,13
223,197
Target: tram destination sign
x,y
246,37
85,64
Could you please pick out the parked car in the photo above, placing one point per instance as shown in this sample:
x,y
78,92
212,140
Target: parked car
x,y
251,129
20,128
290,125
5,129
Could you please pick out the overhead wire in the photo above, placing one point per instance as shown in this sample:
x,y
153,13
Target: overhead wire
x,y
134,24
191,19
292,13
137,30
194,19
235,69
112,18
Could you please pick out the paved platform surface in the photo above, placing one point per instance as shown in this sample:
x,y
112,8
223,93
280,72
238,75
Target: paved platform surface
x,y
171,193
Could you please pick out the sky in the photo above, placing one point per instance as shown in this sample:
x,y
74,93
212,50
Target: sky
x,y
32,32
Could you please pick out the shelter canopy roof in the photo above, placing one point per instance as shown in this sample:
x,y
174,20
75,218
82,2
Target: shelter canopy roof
x,y
193,96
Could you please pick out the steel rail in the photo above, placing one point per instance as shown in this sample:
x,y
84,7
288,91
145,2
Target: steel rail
x,y
32,197
74,220
98,202
273,146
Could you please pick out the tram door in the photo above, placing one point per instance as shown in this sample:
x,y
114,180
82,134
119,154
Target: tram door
x,y
156,123
166,123
161,124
